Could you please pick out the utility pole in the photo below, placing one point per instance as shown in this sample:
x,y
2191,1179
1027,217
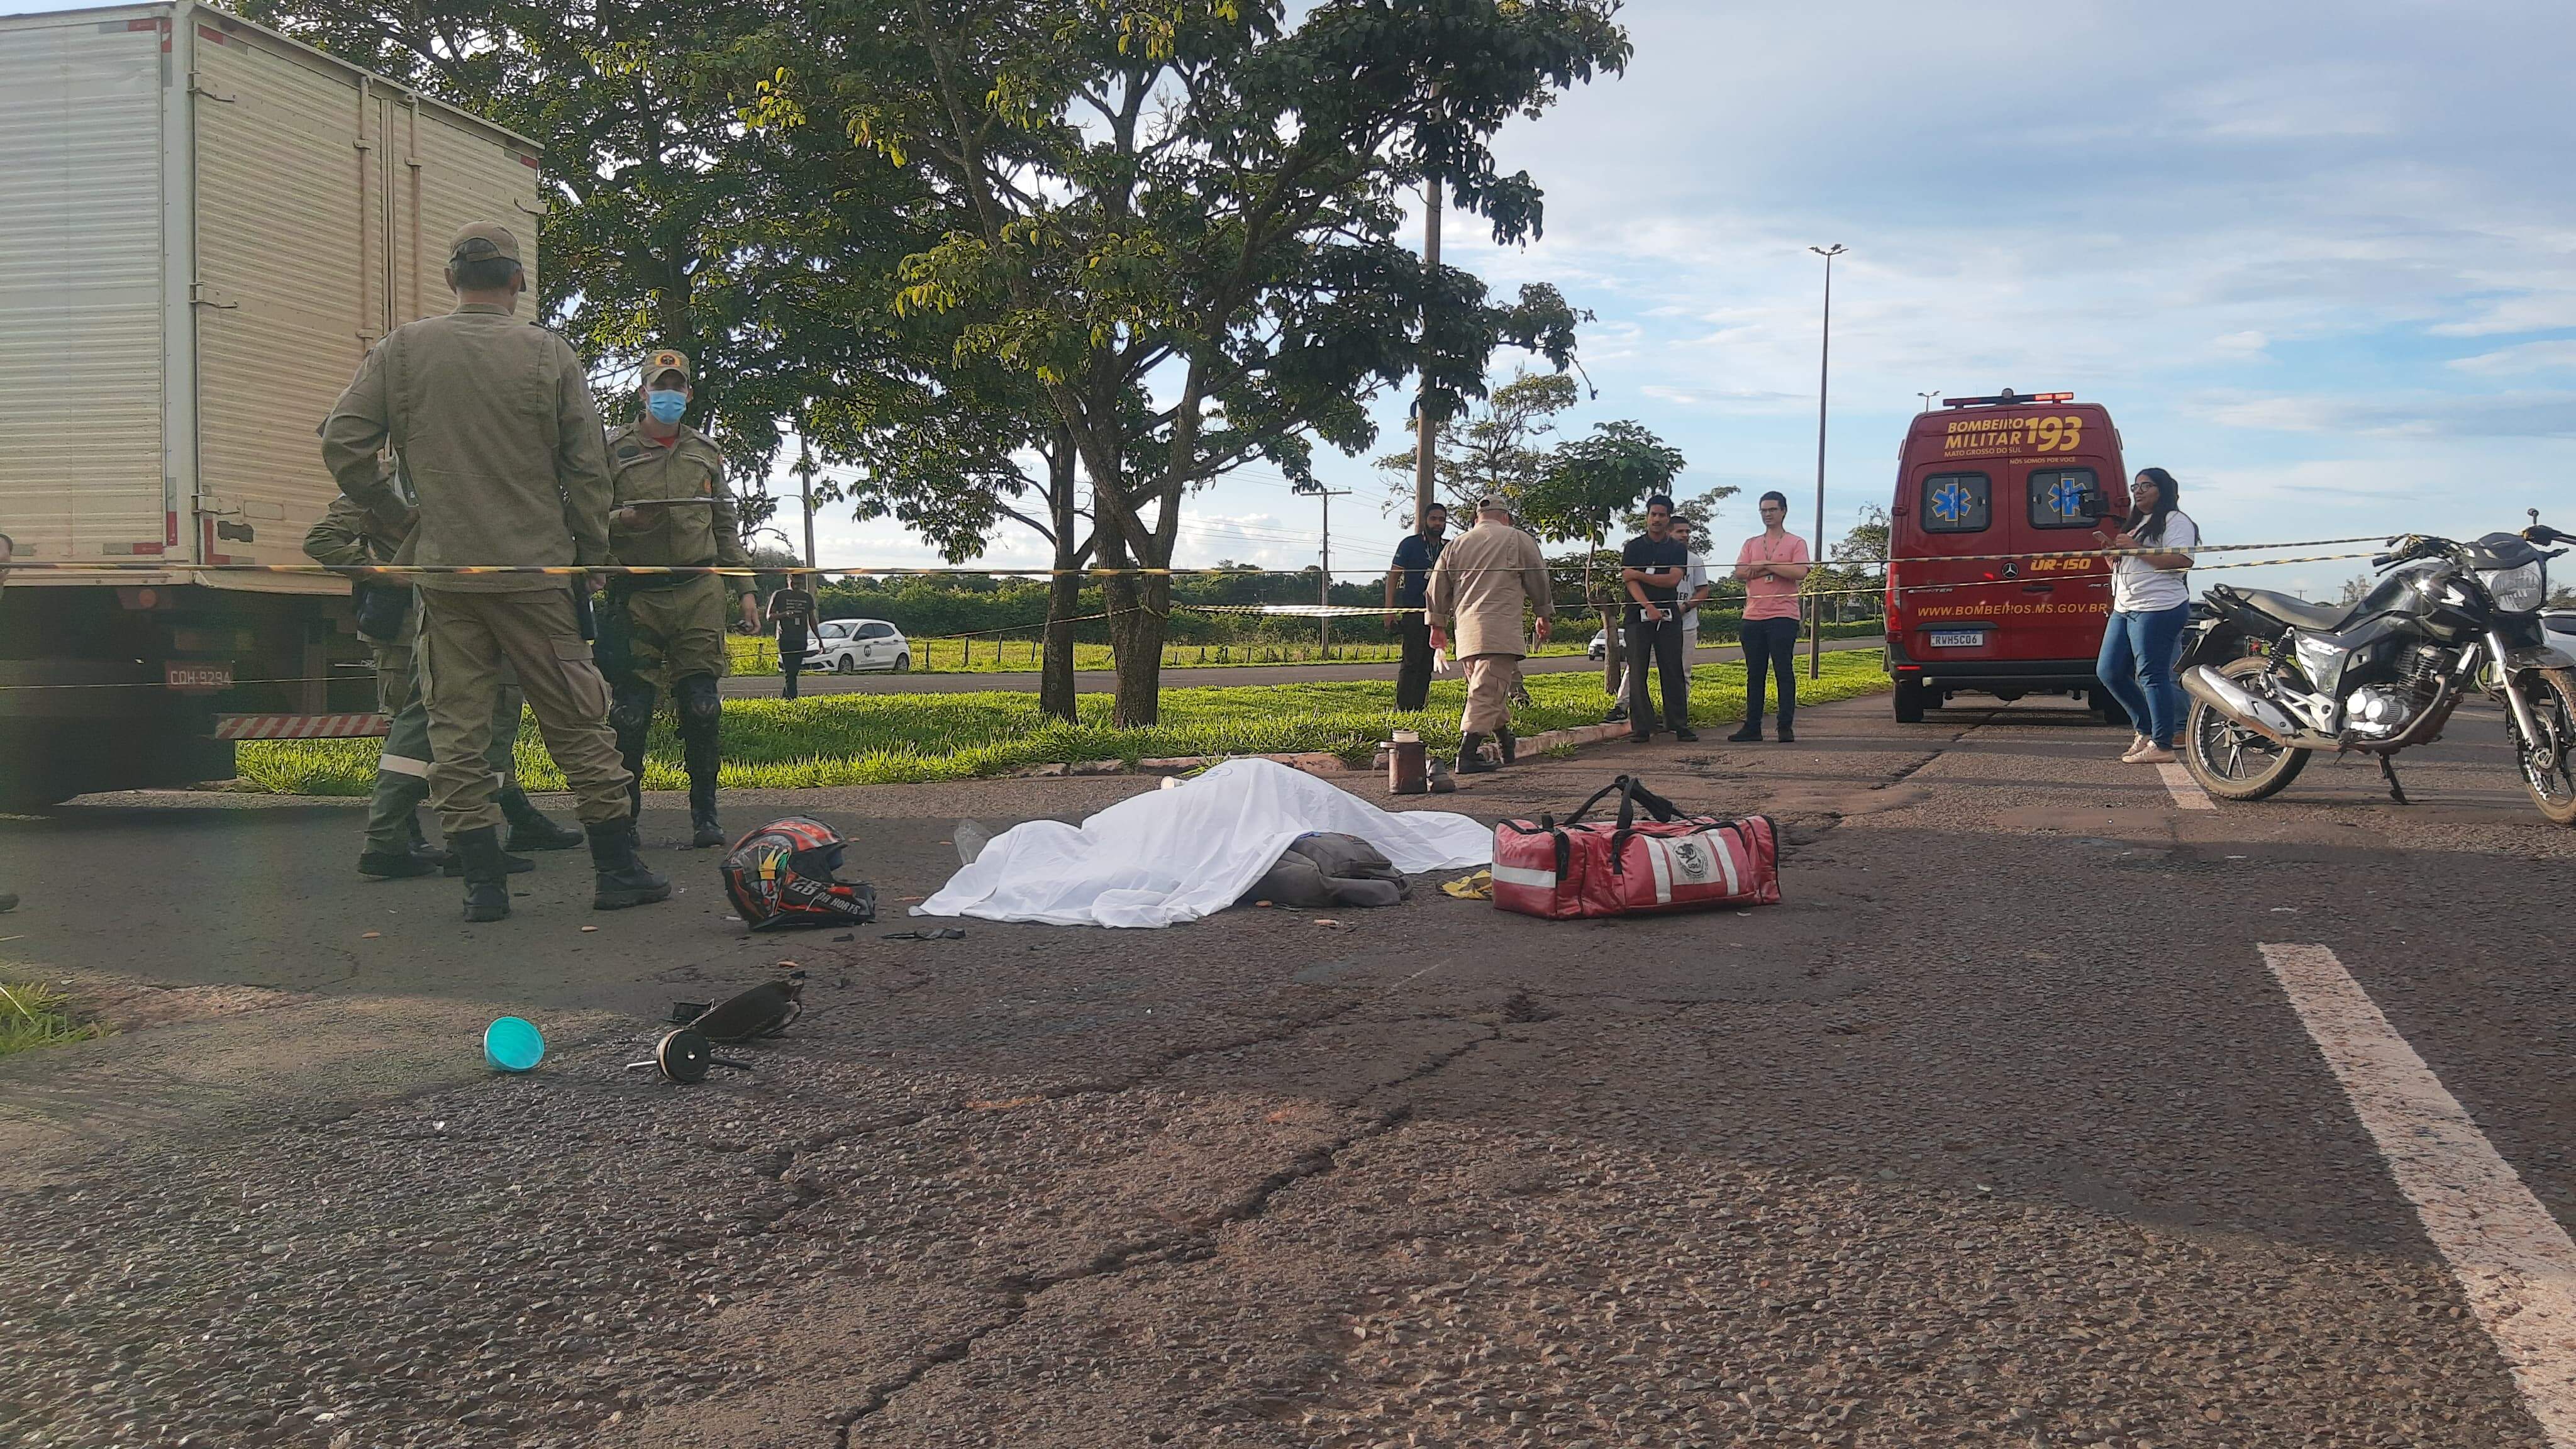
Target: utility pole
x,y
805,492
1426,432
1324,590
1824,375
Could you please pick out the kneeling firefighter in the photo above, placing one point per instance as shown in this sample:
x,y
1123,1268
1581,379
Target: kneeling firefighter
x,y
666,631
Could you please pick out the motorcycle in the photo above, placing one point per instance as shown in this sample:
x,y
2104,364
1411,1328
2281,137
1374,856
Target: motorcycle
x,y
2274,679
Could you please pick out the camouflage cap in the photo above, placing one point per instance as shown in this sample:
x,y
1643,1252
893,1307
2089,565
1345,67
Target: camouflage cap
x,y
483,241
666,359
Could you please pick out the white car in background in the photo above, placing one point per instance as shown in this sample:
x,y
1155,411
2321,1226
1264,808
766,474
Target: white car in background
x,y
853,646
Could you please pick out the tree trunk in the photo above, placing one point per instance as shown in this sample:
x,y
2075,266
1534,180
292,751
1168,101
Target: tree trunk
x,y
1064,590
1056,694
1137,605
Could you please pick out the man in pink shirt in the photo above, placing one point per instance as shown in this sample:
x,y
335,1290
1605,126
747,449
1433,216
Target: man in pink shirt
x,y
1771,563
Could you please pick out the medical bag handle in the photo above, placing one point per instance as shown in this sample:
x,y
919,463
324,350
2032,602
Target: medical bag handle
x,y
1632,792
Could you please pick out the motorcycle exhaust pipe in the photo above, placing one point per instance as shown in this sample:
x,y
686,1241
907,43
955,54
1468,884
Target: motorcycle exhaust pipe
x,y
2241,707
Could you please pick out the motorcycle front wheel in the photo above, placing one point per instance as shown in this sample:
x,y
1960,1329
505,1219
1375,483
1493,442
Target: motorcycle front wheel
x,y
2230,761
2548,763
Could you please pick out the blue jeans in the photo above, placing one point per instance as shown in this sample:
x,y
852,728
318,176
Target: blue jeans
x,y
2139,652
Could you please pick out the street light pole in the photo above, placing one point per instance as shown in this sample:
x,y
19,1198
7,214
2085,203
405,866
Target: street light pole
x,y
1929,398
1824,375
1426,433
1324,590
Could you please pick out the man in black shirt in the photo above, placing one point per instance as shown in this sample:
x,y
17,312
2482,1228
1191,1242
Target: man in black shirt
x,y
1404,590
1652,567
791,613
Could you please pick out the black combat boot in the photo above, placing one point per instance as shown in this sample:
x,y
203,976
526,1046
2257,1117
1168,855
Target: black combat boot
x,y
398,864
435,855
704,830
623,880
1510,742
1471,756
451,866
487,873
529,828
701,711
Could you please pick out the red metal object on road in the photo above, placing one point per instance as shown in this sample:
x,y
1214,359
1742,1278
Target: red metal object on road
x,y
299,726
2000,475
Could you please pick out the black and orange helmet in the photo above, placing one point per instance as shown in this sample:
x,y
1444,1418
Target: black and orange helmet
x,y
784,874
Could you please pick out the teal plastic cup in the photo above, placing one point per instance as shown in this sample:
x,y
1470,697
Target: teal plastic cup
x,y
512,1044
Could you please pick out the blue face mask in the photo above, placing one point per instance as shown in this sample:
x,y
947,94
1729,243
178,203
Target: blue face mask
x,y
666,407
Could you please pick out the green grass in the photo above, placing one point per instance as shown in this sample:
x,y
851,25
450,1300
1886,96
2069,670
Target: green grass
x,y
32,1015
755,654
876,739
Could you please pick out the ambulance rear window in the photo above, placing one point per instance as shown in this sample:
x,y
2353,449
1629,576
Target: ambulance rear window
x,y
1957,503
2057,497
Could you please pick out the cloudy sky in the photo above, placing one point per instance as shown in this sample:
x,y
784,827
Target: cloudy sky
x,y
2318,259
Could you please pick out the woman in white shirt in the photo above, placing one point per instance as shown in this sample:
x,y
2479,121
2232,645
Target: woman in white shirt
x,y
2150,602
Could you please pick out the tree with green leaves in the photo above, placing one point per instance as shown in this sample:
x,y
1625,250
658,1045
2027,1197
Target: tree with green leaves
x,y
1851,583
769,255
1179,218
1700,508
1498,448
1591,483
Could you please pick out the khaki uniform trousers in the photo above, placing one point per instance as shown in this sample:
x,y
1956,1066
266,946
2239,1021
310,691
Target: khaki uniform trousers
x,y
402,770
679,631
465,639
1490,678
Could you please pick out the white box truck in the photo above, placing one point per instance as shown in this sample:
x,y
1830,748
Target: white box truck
x,y
203,227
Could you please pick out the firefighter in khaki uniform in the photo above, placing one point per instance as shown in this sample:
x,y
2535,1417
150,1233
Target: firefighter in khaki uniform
x,y
388,619
491,421
666,632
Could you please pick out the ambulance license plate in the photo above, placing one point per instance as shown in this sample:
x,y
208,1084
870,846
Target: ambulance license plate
x,y
1958,638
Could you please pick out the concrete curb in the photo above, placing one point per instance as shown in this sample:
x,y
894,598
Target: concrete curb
x,y
1314,762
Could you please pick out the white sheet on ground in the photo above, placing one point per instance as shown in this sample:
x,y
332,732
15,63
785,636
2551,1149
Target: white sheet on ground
x,y
1175,855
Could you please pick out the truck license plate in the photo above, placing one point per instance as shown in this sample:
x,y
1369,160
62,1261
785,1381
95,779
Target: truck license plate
x,y
1958,638
197,676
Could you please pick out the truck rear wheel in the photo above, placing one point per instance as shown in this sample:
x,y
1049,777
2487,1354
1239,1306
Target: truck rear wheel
x,y
1911,700
2106,707
45,762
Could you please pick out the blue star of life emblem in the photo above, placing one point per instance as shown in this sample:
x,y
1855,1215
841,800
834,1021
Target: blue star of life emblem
x,y
1952,503
2067,498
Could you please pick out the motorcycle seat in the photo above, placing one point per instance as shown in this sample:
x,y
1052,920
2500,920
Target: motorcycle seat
x,y
2290,609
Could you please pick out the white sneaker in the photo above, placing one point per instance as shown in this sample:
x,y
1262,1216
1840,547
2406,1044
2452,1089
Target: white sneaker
x,y
2137,747
2154,754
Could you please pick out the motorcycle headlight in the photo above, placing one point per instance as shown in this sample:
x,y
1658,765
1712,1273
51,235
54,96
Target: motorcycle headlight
x,y
2517,590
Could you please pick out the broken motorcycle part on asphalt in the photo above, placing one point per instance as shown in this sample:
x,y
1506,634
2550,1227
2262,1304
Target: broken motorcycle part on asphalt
x,y
682,1056
765,1010
513,1044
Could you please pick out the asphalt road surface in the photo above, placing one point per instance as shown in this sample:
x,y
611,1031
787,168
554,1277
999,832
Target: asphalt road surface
x,y
1101,681
2004,1129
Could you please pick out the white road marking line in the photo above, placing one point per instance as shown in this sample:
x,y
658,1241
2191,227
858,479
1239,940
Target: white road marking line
x,y
2185,790
2514,1263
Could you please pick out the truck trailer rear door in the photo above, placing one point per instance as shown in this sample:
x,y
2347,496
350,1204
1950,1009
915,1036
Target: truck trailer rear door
x,y
82,470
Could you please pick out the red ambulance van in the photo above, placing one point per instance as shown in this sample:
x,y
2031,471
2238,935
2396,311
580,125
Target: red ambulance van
x,y
1980,480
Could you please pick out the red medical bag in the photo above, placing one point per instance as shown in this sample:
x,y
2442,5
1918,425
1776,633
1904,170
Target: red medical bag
x,y
1665,862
